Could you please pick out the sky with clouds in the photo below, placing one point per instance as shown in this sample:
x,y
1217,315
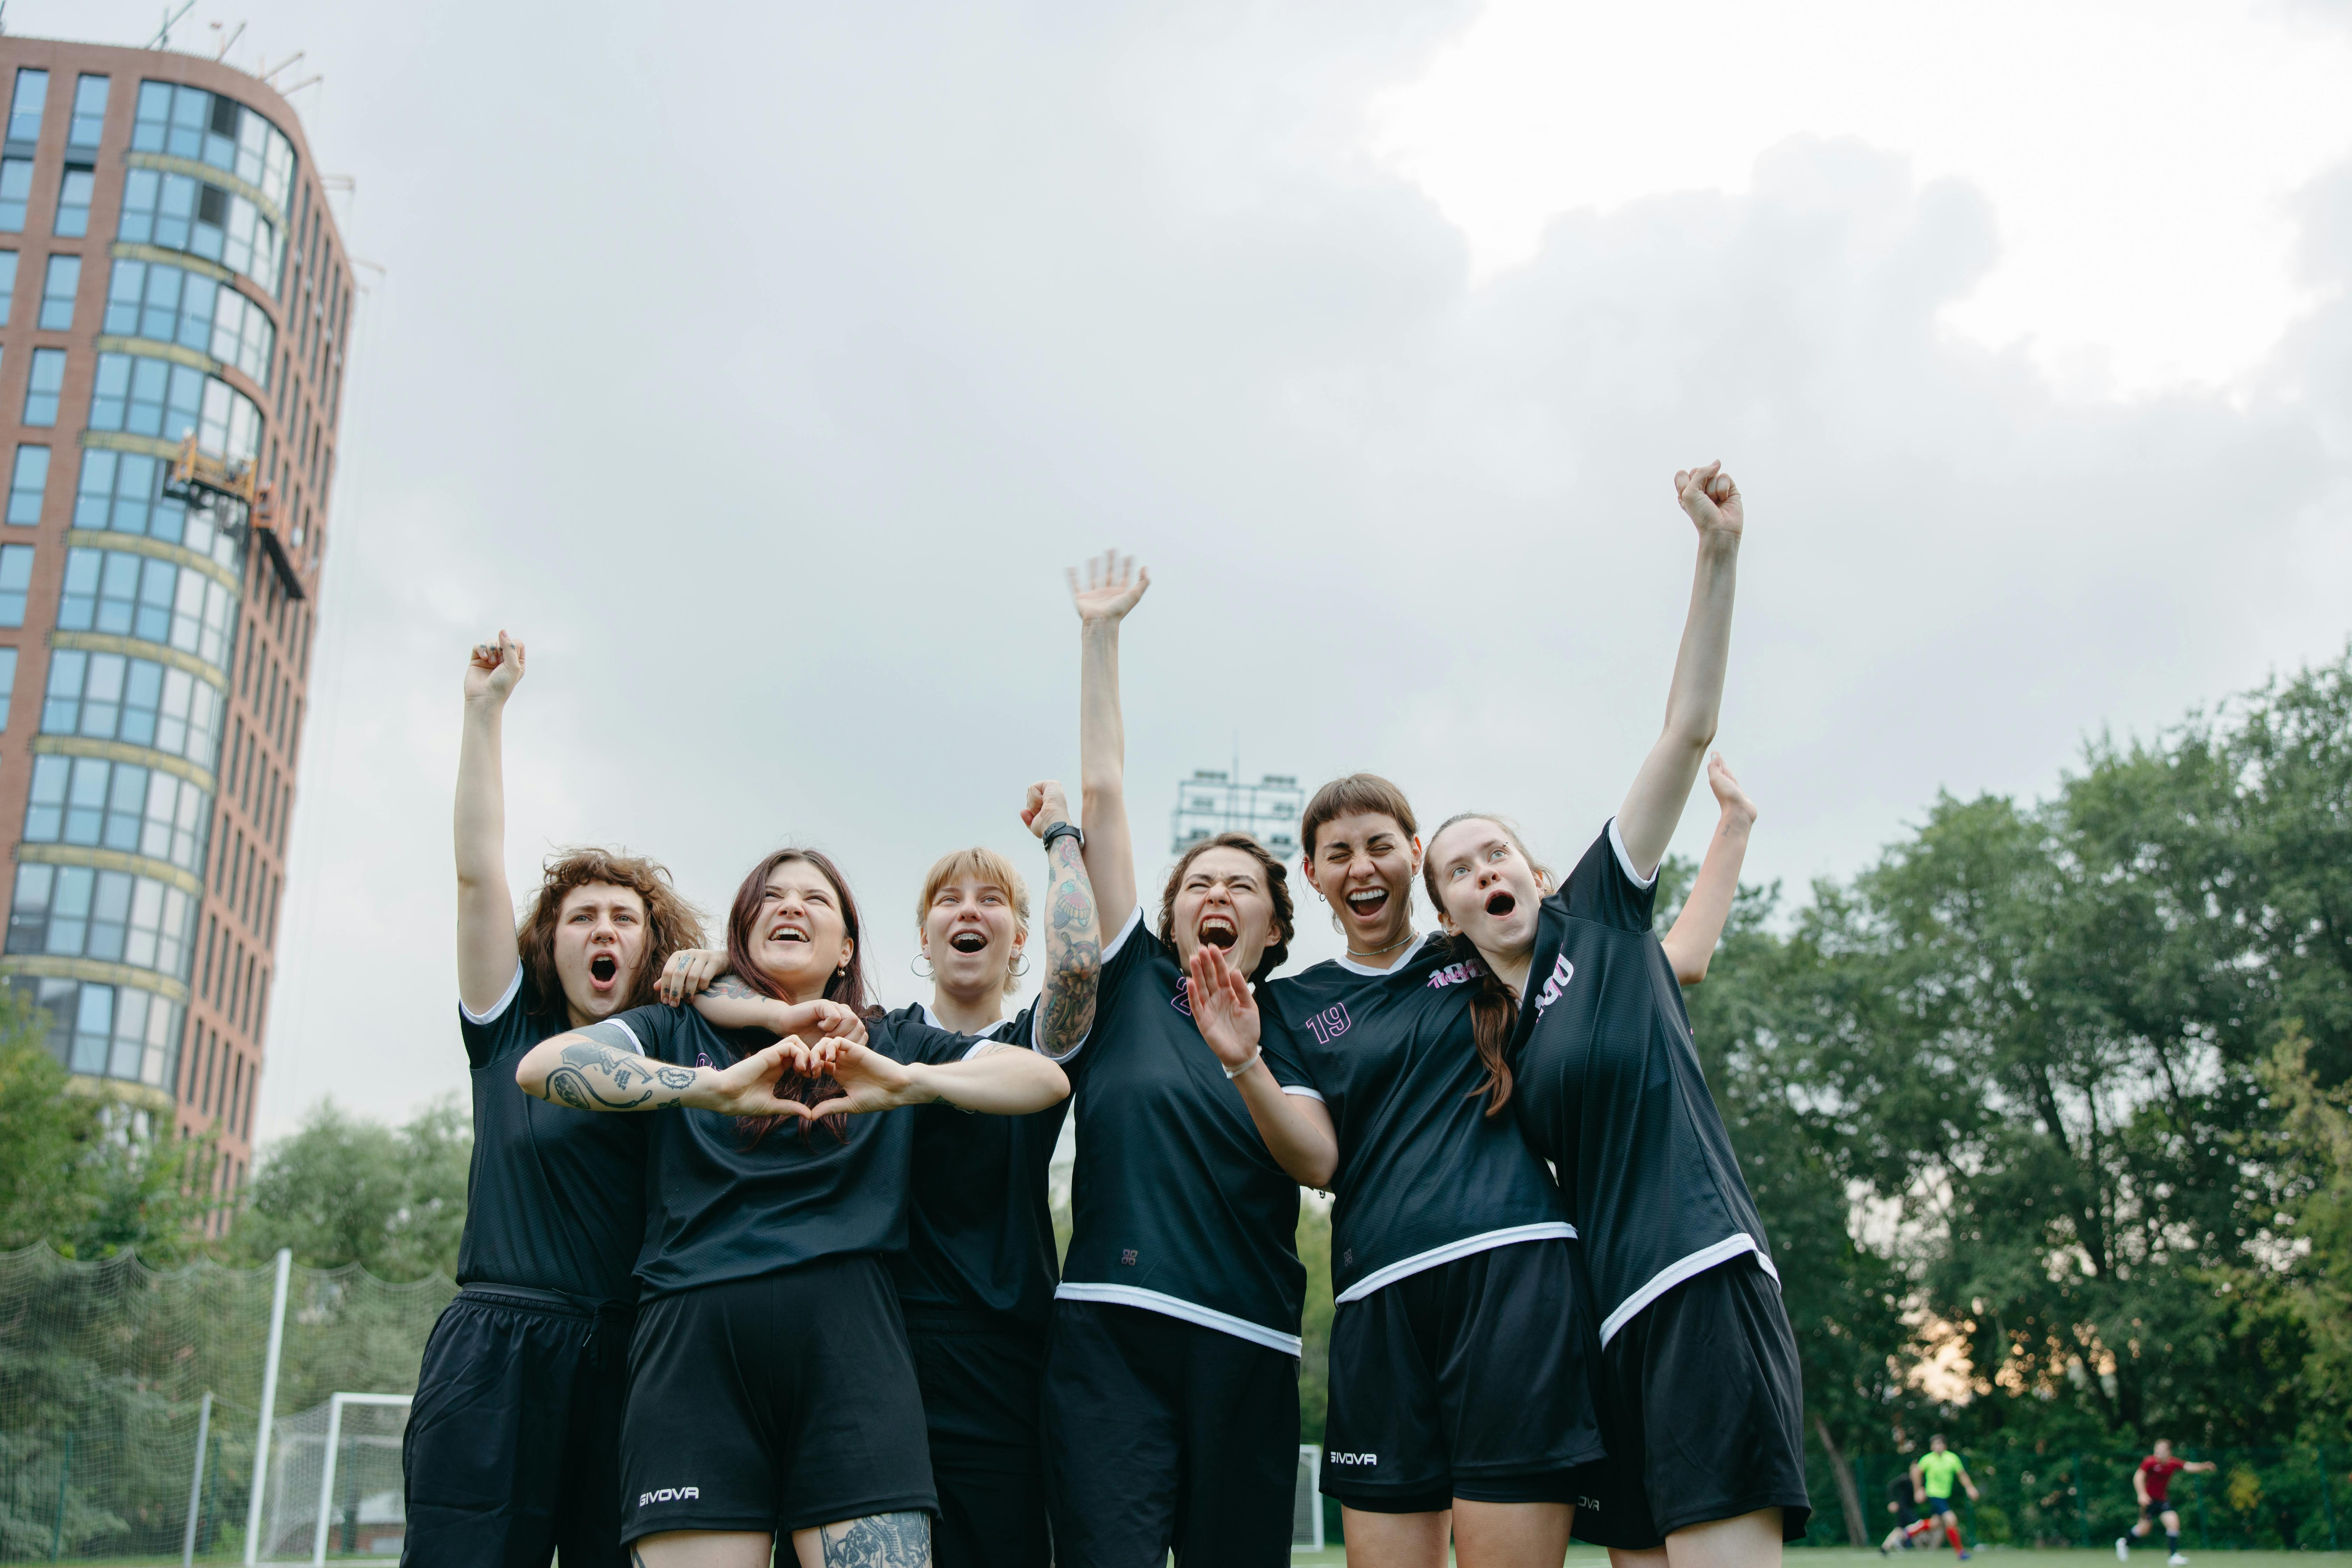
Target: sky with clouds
x,y
763,367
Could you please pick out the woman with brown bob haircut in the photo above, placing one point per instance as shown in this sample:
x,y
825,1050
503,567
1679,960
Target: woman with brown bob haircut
x,y
512,1447
772,1394
1171,1369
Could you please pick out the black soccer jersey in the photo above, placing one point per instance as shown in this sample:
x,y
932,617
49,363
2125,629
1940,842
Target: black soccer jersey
x,y
723,1208
1425,1175
1177,1206
1610,1091
554,1200
980,1225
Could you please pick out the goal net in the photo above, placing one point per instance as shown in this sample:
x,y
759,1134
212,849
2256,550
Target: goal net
x,y
334,1488
1306,1504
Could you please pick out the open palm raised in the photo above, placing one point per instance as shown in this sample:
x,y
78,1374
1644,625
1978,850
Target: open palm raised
x,y
1113,586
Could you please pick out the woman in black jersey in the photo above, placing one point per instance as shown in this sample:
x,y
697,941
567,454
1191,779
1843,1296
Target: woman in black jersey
x,y
512,1447
771,1391
976,1281
1698,1389
1172,1368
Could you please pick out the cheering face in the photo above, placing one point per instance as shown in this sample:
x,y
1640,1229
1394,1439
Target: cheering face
x,y
972,938
1489,890
799,937
1224,903
1364,865
600,940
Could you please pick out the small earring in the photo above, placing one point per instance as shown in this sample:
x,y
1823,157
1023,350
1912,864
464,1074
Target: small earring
x,y
920,973
1019,967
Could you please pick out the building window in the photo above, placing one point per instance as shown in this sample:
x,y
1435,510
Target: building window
x,y
41,387
8,283
181,213
16,190
97,804
8,682
113,697
15,576
27,484
107,1031
74,194
170,304
24,110
189,122
58,290
88,113
123,492
144,396
136,596
243,336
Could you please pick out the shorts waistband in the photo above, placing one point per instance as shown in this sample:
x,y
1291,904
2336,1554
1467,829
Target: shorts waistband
x,y
553,1302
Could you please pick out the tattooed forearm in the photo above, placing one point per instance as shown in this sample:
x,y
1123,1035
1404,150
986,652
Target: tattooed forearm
x,y
728,986
879,1540
1072,953
590,1073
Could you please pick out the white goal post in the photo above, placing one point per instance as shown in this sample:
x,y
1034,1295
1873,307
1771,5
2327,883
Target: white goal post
x,y
1307,1505
327,1465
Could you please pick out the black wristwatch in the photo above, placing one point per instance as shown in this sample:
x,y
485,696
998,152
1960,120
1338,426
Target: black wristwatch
x,y
1062,830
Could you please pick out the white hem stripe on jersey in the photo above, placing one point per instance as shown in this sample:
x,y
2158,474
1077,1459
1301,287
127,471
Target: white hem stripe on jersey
x,y
1174,1307
498,1007
1352,967
1625,858
636,1044
1302,1092
1683,1268
1134,921
1468,1246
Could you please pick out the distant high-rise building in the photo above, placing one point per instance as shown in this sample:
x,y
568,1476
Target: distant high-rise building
x,y
1213,801
177,303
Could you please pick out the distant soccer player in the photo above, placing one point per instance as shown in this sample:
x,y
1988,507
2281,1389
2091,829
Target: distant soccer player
x,y
1933,1473
1901,1502
2149,1484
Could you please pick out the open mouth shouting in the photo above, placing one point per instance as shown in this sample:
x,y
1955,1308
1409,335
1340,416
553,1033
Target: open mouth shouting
x,y
602,971
969,941
786,932
1500,903
1367,903
1218,930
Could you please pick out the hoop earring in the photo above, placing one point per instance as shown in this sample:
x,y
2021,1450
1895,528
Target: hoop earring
x,y
920,973
1018,967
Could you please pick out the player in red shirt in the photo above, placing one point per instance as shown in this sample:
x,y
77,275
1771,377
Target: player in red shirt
x,y
2149,1483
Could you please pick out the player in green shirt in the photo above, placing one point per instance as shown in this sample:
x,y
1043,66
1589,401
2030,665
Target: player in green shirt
x,y
1932,1474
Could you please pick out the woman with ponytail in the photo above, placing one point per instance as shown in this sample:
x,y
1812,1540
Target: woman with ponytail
x,y
1460,1349
772,1394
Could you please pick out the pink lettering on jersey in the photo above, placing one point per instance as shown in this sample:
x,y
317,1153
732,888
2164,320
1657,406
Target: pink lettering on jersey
x,y
1561,974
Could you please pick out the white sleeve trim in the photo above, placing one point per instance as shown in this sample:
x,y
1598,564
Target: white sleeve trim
x,y
498,1007
1177,1307
1302,1092
635,1043
1680,1269
1134,921
1625,858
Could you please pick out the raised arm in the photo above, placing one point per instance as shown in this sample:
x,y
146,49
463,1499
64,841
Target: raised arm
x,y
1645,822
1112,587
485,929
1065,1007
1691,944
1296,1129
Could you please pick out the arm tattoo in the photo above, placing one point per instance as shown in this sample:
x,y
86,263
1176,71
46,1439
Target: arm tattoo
x,y
728,986
1072,954
879,1540
596,1075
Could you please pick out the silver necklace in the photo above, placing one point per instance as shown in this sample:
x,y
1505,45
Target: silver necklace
x,y
1392,947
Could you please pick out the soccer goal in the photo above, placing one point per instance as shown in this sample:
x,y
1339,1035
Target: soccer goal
x,y
1307,1505
334,1481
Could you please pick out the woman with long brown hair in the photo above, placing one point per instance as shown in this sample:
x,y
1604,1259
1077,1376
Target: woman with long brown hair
x,y
511,1448
772,1394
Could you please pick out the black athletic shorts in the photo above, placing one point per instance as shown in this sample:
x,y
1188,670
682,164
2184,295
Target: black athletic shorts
x,y
2156,1508
982,1387
776,1403
1701,1409
1163,1435
1935,1505
512,1452
1472,1380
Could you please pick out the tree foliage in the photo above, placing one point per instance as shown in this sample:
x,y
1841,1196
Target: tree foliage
x,y
342,1190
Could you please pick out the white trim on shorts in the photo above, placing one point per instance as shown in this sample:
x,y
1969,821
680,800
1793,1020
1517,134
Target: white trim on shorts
x,y
1176,1307
1680,1269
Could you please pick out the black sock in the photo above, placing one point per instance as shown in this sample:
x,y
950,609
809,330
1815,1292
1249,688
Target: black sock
x,y
2173,1540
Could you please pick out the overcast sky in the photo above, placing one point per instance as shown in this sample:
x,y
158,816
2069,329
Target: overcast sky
x,y
762,367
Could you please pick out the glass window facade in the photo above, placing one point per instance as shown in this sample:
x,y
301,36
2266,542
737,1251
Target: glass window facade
x,y
101,805
8,283
107,1031
88,111
145,396
16,190
189,122
32,95
8,682
156,601
79,911
172,305
113,697
28,481
59,286
122,492
15,577
74,195
42,386
180,213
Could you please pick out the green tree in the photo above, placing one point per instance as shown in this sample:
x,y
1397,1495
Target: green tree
x,y
342,1190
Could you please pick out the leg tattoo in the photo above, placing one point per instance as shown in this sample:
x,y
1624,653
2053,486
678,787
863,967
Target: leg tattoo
x,y
879,1540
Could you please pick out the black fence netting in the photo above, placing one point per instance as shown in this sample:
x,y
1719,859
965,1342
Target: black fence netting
x,y
2268,1498
104,1370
